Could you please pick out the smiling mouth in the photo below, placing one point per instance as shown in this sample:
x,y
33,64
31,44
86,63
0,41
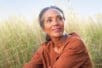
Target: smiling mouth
x,y
57,29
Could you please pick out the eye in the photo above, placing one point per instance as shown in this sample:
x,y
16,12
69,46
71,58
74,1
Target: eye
x,y
60,18
49,20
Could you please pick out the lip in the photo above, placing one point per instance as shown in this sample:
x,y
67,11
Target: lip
x,y
57,29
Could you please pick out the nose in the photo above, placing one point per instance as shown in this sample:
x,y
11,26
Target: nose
x,y
55,22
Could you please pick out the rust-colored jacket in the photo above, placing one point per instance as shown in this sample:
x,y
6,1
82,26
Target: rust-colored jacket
x,y
74,55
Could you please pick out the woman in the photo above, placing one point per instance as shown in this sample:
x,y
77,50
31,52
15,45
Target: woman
x,y
60,50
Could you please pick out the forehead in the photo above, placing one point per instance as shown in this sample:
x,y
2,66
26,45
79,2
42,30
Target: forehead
x,y
51,13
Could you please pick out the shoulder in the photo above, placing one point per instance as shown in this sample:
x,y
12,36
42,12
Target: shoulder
x,y
74,37
75,42
46,45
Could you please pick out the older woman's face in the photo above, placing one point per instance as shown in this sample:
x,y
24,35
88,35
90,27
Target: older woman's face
x,y
53,23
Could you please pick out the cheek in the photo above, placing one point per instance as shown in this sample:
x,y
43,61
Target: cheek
x,y
62,24
47,29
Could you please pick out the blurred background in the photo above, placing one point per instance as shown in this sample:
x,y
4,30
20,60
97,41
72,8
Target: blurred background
x,y
20,34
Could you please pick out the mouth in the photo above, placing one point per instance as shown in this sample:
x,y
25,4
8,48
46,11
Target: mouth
x,y
57,29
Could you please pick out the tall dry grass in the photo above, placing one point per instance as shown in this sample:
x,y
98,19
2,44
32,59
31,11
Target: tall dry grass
x,y
19,40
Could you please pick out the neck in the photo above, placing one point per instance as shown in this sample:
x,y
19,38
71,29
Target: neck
x,y
58,41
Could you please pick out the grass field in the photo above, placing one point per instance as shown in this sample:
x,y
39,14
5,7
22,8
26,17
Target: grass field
x,y
19,40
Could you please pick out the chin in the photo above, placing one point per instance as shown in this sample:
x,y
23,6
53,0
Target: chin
x,y
57,34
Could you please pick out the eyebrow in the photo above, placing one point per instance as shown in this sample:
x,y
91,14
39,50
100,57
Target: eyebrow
x,y
49,17
59,16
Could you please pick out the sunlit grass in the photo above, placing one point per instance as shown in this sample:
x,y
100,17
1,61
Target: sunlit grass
x,y
19,40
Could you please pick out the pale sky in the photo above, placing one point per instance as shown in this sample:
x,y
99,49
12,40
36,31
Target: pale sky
x,y
31,8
